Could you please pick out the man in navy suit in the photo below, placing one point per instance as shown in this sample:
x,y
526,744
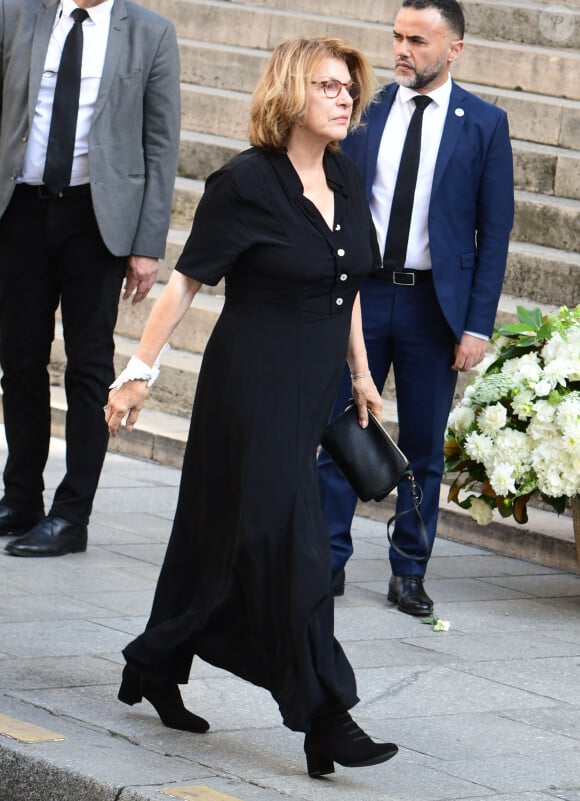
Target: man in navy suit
x,y
432,317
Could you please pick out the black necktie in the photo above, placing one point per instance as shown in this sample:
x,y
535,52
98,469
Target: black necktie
x,y
65,109
401,210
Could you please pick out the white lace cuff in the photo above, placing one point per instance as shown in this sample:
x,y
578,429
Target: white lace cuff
x,y
137,370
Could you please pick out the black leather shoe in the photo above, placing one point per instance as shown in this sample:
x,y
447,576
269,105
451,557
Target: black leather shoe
x,y
52,536
14,523
338,578
408,593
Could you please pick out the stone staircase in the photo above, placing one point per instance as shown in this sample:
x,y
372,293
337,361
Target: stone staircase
x,y
524,56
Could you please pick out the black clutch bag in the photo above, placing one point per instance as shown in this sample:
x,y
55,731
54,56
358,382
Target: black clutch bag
x,y
373,465
367,457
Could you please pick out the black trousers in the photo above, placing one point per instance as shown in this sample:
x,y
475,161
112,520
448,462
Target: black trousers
x,y
51,252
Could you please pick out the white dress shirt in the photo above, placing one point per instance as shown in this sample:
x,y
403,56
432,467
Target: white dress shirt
x,y
95,37
390,150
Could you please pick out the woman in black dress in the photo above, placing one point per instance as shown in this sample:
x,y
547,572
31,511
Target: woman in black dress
x,y
246,581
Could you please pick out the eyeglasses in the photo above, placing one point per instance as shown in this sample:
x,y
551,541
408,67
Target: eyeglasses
x,y
332,88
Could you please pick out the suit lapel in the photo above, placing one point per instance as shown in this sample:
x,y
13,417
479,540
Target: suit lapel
x,y
451,130
43,26
114,49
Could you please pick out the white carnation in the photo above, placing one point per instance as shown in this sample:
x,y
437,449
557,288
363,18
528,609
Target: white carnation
x,y
557,372
568,411
502,478
479,447
514,447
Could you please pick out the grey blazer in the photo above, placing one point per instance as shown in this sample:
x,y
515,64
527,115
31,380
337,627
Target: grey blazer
x,y
134,139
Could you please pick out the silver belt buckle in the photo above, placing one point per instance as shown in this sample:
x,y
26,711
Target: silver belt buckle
x,y
404,279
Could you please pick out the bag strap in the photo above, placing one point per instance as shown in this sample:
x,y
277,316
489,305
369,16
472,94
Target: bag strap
x,y
417,497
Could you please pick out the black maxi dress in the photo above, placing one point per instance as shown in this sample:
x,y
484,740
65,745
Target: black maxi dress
x,y
245,584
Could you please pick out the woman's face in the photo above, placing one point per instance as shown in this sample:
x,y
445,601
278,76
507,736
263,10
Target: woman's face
x,y
326,118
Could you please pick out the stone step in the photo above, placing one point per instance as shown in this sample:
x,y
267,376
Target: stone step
x,y
186,195
193,331
176,239
546,169
537,23
537,168
545,275
207,63
201,154
531,68
533,118
547,220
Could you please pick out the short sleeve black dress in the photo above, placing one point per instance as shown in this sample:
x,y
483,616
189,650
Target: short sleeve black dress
x,y
245,584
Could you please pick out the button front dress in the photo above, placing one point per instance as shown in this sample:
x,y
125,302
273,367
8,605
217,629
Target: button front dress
x,y
245,584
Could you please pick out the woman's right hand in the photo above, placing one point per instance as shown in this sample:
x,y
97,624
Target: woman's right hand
x,y
127,401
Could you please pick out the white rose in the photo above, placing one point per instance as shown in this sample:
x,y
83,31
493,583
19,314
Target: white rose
x,y
492,418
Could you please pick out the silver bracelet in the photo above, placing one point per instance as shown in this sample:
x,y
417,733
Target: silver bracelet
x,y
360,375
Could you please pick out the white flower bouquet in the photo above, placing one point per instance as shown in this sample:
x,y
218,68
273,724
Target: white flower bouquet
x,y
516,430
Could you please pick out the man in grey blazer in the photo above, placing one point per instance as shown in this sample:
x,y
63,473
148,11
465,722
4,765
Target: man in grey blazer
x,y
74,244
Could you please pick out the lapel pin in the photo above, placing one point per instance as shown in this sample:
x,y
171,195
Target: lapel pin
x,y
459,112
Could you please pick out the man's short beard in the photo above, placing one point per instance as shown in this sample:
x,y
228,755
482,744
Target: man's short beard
x,y
418,80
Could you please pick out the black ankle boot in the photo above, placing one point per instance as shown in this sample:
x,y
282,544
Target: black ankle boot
x,y
165,698
337,738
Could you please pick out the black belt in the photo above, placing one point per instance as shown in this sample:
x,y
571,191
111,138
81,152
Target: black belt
x,y
404,277
41,192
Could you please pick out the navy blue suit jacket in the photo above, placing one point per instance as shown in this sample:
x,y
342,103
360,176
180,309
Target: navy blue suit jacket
x,y
472,203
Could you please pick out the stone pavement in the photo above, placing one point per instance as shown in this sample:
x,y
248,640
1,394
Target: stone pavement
x,y
489,710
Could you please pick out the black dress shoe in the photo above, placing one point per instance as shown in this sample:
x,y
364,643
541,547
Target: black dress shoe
x,y
52,536
14,523
338,579
408,593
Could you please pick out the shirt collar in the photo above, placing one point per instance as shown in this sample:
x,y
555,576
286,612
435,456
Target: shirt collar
x,y
291,180
97,14
440,96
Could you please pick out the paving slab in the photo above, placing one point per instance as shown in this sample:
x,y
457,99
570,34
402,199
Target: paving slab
x,y
488,710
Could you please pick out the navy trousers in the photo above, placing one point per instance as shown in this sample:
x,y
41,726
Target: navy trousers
x,y
403,328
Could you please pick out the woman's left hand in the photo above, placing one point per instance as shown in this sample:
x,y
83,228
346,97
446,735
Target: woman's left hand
x,y
125,402
367,398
